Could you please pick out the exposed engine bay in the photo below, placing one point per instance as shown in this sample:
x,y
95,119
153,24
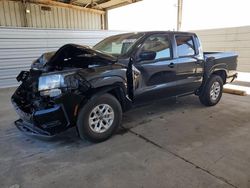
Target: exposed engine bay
x,y
72,56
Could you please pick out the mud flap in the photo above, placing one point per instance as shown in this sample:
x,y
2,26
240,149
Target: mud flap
x,y
208,65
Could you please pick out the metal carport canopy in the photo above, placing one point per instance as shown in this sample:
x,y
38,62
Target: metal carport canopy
x,y
21,45
100,6
88,4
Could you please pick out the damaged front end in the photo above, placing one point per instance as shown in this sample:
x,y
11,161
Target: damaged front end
x,y
50,94
47,111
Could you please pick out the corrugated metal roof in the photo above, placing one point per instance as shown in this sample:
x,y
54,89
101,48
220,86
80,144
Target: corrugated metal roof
x,y
19,47
90,4
100,4
57,17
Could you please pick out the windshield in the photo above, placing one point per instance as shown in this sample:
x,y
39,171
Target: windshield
x,y
119,44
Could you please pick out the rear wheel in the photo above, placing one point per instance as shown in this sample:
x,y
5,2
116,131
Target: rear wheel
x,y
99,118
212,92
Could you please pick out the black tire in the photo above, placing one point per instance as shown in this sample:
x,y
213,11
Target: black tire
x,y
86,130
205,97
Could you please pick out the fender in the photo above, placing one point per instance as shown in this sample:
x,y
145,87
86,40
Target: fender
x,y
210,68
218,67
118,89
107,81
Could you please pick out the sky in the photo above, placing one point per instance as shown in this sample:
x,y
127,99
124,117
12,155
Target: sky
x,y
197,14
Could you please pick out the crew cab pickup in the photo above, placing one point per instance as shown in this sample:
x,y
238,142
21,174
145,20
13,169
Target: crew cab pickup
x,y
90,88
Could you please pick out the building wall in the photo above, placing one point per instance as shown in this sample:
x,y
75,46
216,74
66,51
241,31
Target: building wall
x,y
235,39
19,47
13,14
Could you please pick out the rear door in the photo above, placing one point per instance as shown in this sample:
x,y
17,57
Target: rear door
x,y
158,76
189,64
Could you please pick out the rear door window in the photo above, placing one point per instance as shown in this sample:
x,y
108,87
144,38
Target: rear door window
x,y
185,46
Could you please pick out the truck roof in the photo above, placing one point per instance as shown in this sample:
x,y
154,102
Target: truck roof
x,y
157,32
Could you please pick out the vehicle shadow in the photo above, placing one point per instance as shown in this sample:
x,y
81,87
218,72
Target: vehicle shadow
x,y
137,116
22,145
144,113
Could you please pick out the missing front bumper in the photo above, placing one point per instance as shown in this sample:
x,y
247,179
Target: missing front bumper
x,y
45,123
30,129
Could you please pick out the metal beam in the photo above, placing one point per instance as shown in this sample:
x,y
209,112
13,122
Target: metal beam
x,y
106,23
108,5
24,13
60,4
179,14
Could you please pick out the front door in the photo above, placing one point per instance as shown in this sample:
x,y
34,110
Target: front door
x,y
158,75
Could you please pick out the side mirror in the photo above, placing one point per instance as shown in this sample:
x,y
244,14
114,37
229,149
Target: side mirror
x,y
147,55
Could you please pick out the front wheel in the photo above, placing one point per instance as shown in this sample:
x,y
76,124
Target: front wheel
x,y
99,118
212,92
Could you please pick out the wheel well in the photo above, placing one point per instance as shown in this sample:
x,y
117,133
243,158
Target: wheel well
x,y
222,74
118,93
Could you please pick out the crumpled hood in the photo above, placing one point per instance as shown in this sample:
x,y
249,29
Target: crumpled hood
x,y
42,60
72,53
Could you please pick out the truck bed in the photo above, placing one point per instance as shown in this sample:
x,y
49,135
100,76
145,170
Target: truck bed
x,y
225,60
220,55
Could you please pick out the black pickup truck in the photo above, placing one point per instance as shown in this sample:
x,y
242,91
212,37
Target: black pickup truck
x,y
90,88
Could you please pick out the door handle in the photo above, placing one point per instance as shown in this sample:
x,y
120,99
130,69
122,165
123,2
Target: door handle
x,y
171,65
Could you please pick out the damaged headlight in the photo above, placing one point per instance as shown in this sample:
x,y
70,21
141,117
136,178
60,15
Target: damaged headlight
x,y
50,85
50,82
